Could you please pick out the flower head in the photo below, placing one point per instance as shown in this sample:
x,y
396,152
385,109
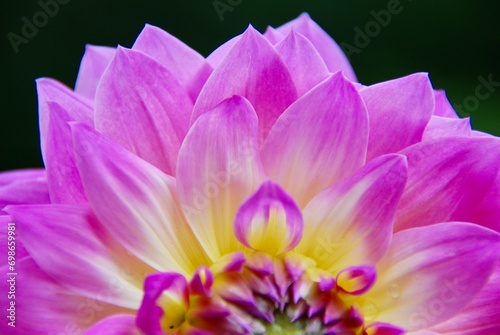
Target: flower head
x,y
259,191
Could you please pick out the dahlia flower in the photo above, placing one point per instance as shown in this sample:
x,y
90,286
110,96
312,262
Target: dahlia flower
x,y
261,190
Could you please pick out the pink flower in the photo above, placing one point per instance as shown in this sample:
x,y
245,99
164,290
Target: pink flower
x,y
258,191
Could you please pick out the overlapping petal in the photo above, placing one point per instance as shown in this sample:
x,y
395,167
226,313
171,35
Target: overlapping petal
x,y
186,65
447,180
148,115
351,222
398,111
446,127
64,241
330,51
94,62
422,281
327,149
23,187
218,169
252,69
136,203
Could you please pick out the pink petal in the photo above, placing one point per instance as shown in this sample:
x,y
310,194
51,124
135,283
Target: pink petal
x,y
45,307
273,35
65,185
481,316
447,180
186,65
446,127
330,51
313,145
10,242
303,61
487,213
49,90
218,169
268,86
150,314
351,222
23,187
94,62
121,324
269,221
429,273
443,107
146,114
398,111
62,241
135,202
215,58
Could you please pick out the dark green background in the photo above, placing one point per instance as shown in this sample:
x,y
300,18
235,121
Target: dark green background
x,y
454,41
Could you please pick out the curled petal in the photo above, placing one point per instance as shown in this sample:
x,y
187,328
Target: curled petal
x,y
166,299
357,280
269,221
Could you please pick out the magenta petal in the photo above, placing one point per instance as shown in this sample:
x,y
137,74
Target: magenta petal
x,y
8,228
62,241
303,61
481,316
268,86
443,107
330,51
49,90
313,145
146,114
114,325
135,202
447,180
23,187
149,314
65,185
273,35
398,111
351,223
269,221
45,307
215,58
446,127
94,62
186,65
430,273
356,280
487,213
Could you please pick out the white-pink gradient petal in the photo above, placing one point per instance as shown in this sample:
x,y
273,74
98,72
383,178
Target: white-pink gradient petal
x,y
313,145
429,273
219,168
351,222
136,203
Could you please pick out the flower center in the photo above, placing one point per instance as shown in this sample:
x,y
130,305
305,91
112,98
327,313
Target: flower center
x,y
259,294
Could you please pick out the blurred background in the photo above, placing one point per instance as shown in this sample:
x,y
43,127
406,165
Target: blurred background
x,y
457,43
